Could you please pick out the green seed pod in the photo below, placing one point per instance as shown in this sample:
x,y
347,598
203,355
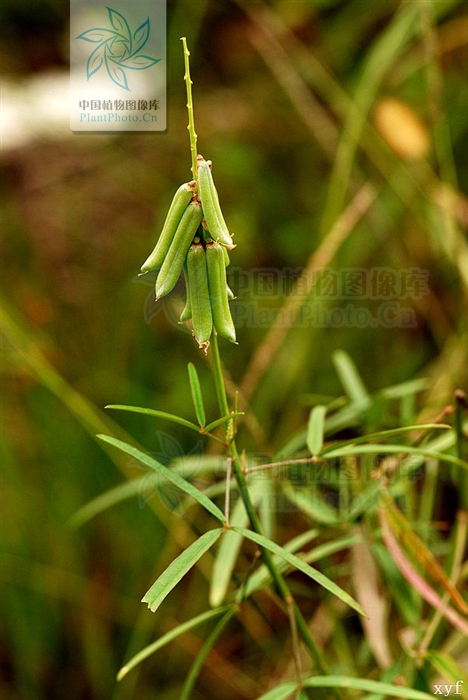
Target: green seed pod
x,y
222,319
175,257
179,203
199,295
186,314
211,209
226,257
230,293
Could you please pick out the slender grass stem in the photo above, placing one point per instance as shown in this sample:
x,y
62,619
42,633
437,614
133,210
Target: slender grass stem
x,y
255,523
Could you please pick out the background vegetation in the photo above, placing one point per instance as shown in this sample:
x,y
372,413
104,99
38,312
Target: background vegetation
x,y
286,96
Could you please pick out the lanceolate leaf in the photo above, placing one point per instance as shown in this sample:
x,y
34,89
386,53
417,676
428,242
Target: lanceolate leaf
x,y
196,394
281,692
156,414
261,576
178,568
317,576
315,429
168,637
350,378
221,421
170,475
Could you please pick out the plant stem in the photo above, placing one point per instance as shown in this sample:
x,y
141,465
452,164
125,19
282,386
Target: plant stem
x,y
278,579
191,124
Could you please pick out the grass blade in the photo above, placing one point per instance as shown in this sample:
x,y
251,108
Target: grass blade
x,y
385,434
417,549
170,475
385,689
350,378
196,394
203,653
156,414
281,692
417,582
315,429
397,449
168,637
312,505
299,564
105,500
178,568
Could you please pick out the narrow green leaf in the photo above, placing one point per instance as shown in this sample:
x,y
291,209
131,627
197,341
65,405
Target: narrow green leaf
x,y
196,394
261,576
385,689
281,692
155,414
385,434
312,505
221,421
170,475
178,568
106,500
398,391
350,378
299,564
203,653
397,449
169,637
315,429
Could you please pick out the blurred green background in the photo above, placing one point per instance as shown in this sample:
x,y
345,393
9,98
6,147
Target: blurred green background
x,y
287,94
